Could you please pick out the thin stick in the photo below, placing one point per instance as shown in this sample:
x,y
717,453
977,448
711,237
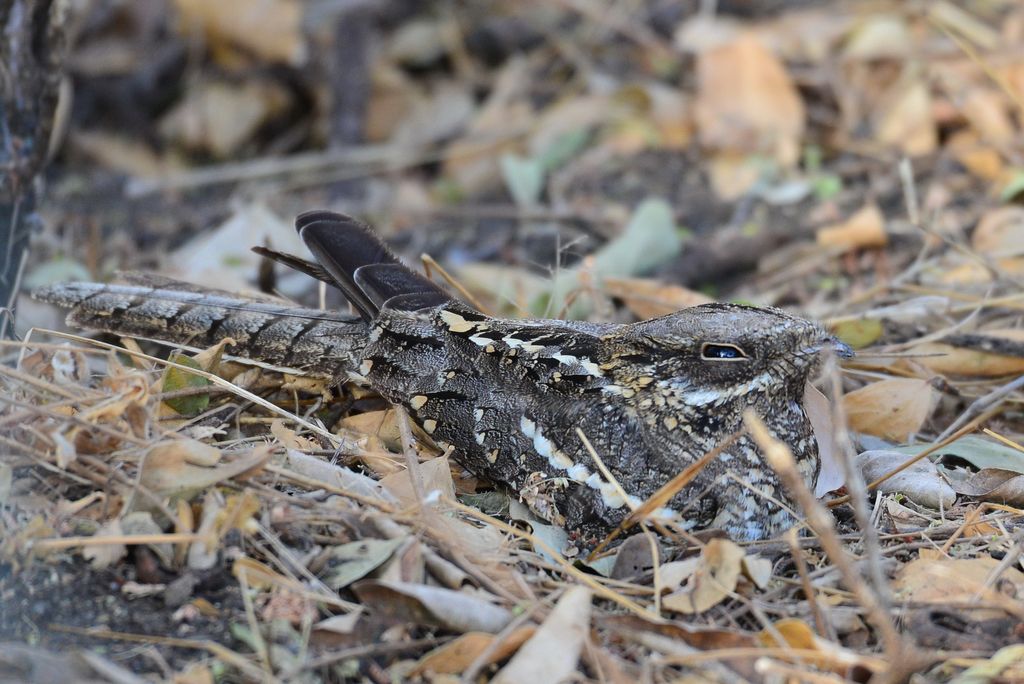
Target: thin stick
x,y
900,653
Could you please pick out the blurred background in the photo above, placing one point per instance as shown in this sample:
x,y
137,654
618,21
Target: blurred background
x,y
608,159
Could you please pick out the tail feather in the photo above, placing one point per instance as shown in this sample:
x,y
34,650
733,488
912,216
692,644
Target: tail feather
x,y
363,267
279,335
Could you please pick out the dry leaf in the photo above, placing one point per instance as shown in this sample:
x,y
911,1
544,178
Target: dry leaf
x,y
829,656
103,555
746,102
865,229
952,580
714,578
980,158
419,603
457,655
474,167
553,651
893,409
920,482
648,298
993,484
435,477
949,360
182,467
904,118
219,118
289,438
382,425
819,412
880,36
272,29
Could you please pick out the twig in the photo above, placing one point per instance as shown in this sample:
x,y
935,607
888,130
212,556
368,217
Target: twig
x,y
903,656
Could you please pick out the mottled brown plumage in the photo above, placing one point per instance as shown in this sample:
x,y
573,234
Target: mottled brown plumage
x,y
507,396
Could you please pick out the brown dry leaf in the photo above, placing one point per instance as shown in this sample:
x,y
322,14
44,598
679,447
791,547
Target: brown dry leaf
x,y
999,236
951,580
382,425
993,484
949,360
732,174
920,482
904,118
892,409
979,158
120,153
833,657
219,118
648,298
103,555
864,229
422,604
553,651
455,656
184,467
473,167
289,438
746,101
986,111
435,476
879,36
272,29
721,562
819,412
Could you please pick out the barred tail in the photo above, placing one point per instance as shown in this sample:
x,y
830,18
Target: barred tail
x,y
311,341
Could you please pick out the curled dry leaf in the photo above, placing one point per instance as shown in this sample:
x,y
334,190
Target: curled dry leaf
x,y
829,656
103,555
943,581
921,482
819,412
648,298
976,362
455,656
746,101
435,481
272,29
348,563
714,578
865,229
904,118
185,467
457,611
553,651
892,409
992,484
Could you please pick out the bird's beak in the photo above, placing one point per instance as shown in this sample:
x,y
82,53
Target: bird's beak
x,y
839,348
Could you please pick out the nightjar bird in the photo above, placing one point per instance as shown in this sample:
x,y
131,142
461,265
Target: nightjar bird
x,y
508,397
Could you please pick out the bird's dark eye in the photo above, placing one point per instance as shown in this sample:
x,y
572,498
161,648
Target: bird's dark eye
x,y
722,352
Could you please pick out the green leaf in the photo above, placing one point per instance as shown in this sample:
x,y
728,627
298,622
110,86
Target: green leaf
x,y
827,186
563,148
524,178
650,239
978,451
177,379
1013,187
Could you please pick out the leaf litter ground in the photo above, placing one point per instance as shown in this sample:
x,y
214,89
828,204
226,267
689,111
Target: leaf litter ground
x,y
194,519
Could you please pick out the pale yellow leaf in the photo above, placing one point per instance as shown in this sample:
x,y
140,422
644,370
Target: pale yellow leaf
x,y
893,409
864,229
747,102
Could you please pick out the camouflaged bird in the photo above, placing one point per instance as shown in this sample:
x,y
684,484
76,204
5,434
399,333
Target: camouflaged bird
x,y
507,396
